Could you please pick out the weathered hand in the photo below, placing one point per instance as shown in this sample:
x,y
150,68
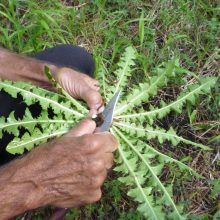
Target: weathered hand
x,y
80,86
65,172
72,169
83,161
77,84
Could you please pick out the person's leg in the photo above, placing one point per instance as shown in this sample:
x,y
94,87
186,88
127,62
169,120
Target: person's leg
x,y
70,56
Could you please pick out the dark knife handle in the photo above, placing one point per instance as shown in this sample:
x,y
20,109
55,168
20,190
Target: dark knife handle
x,y
59,214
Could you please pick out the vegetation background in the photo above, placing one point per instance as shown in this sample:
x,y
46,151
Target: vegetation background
x,y
159,30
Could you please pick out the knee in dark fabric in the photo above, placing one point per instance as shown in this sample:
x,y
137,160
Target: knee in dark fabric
x,y
71,56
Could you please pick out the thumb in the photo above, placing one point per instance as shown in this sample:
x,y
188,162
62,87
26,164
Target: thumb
x,y
86,126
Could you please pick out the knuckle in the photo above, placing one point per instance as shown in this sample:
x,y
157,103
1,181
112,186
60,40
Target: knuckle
x,y
86,141
93,145
97,166
90,143
110,142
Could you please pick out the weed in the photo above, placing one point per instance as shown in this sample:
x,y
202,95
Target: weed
x,y
184,28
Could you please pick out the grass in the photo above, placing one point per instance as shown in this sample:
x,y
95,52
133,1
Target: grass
x,y
187,29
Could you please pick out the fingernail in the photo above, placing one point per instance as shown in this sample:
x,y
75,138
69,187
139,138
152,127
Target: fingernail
x,y
94,116
97,106
101,109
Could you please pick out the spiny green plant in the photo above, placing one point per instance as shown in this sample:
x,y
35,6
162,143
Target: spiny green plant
x,y
139,163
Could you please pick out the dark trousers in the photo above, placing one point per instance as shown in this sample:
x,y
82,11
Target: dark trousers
x,y
70,56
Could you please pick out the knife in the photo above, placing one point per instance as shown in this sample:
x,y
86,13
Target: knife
x,y
106,118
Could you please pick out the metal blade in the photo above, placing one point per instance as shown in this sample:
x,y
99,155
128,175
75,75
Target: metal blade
x,y
108,113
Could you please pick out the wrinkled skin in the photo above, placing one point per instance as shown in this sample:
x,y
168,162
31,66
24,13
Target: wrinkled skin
x,y
81,86
66,172
85,169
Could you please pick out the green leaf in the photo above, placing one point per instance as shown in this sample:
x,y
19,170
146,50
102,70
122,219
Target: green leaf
x,y
33,94
141,93
189,95
29,141
153,171
124,71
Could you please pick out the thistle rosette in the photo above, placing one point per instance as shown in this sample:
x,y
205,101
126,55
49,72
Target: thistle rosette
x,y
139,163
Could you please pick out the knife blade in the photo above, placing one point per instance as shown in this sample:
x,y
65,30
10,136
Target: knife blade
x,y
107,114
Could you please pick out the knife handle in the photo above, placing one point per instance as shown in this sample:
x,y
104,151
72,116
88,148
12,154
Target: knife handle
x,y
98,119
59,214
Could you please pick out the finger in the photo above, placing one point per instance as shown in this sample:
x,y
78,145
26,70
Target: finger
x,y
96,165
102,162
102,143
109,160
93,99
97,88
94,84
88,197
98,180
110,143
92,113
86,126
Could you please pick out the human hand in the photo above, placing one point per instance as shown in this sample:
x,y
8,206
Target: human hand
x,y
80,86
71,170
65,172
77,84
